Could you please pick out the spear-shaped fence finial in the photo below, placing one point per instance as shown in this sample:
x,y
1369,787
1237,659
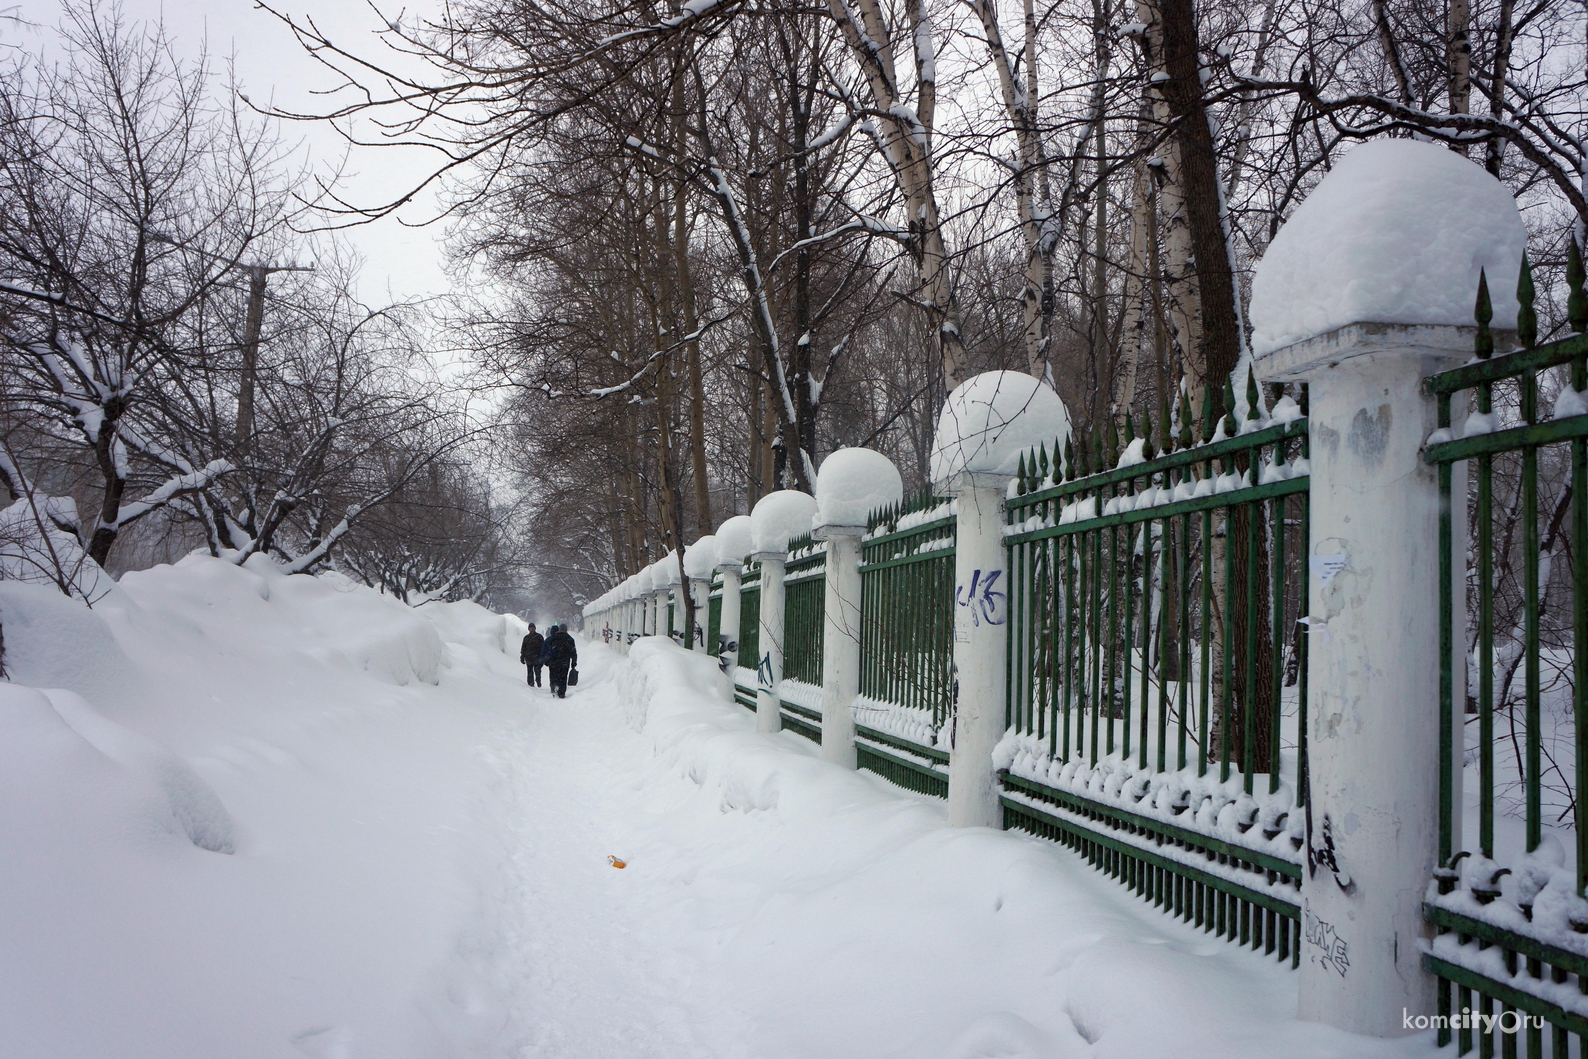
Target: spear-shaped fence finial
x,y
1483,312
1526,316
1165,425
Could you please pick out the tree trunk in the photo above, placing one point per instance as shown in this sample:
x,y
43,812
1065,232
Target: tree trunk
x,y
1458,55
1176,272
1021,106
906,134
697,389
1221,339
1494,152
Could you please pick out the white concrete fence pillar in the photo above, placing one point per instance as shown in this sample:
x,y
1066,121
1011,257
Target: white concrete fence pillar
x,y
851,485
1373,669
1362,316
981,630
700,600
778,518
769,668
700,559
734,542
987,424
840,642
728,627
671,579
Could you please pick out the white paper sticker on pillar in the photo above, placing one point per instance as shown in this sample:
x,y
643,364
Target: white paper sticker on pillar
x,y
1315,626
1326,566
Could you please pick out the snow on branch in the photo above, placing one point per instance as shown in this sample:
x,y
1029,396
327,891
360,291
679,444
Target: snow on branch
x,y
181,485
861,223
690,12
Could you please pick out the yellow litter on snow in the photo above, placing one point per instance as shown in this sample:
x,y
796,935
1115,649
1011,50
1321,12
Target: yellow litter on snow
x,y
617,863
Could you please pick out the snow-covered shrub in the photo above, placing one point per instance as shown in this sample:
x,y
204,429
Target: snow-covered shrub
x,y
39,545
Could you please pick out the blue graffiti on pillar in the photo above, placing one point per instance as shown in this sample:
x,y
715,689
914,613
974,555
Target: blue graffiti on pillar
x,y
763,672
984,602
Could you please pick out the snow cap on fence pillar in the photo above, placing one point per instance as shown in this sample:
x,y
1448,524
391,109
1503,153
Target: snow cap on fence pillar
x,y
734,541
993,419
700,558
667,570
1395,234
779,517
644,581
852,484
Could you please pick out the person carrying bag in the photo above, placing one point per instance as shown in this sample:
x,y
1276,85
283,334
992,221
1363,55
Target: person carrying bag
x,y
560,655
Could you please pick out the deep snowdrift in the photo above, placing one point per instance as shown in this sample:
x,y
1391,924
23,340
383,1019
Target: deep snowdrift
x,y
418,864
245,818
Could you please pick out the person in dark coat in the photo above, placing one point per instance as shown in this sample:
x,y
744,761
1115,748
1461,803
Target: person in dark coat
x,y
559,654
529,654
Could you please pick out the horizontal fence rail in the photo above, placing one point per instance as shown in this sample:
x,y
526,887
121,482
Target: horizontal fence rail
x,y
1152,655
1509,901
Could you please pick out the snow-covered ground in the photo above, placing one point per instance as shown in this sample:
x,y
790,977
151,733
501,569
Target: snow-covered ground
x,y
419,861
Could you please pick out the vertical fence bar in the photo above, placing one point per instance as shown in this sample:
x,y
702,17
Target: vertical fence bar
x,y
1579,598
1204,750
1277,634
1254,537
1530,590
1227,692
1485,556
1166,607
1447,715
1303,646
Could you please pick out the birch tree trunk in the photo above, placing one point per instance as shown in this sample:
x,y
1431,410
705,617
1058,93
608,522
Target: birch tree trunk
x,y
1021,105
1177,278
1137,332
1102,348
905,135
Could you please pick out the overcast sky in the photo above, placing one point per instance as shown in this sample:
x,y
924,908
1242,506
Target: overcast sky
x,y
271,65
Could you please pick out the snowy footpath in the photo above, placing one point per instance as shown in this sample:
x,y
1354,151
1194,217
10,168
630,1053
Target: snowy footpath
x,y
244,814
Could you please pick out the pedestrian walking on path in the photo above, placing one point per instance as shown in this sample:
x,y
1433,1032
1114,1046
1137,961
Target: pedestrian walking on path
x,y
559,654
529,654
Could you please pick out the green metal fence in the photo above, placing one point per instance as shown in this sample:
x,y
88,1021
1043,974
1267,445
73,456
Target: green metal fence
x,y
907,642
714,613
1509,906
750,617
804,602
1153,598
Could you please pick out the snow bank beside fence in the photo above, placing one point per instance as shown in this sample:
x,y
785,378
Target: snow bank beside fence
x,y
844,918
